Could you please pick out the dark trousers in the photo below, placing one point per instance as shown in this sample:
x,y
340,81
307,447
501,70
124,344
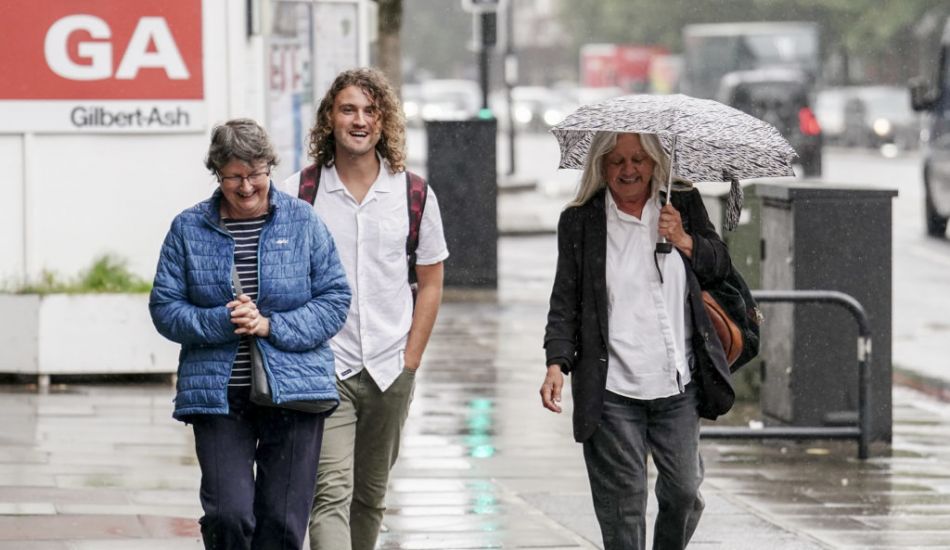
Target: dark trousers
x,y
616,458
268,511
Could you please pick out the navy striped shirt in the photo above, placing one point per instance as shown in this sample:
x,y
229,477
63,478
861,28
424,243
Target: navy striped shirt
x,y
247,236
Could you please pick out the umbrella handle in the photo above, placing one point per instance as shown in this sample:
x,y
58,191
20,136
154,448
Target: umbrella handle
x,y
663,246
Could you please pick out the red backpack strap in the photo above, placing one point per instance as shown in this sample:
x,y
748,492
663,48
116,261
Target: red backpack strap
x,y
309,182
416,192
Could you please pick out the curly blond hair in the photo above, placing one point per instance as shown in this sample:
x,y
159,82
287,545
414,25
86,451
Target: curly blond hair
x,y
392,142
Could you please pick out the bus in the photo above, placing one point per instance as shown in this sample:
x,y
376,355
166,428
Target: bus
x,y
711,51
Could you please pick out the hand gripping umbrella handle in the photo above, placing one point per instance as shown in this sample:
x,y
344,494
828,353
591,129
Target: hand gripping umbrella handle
x,y
663,246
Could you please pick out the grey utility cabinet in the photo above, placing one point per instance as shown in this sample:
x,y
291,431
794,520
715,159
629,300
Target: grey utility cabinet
x,y
745,248
745,240
825,237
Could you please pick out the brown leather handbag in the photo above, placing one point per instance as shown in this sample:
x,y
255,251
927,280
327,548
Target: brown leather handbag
x,y
735,316
726,329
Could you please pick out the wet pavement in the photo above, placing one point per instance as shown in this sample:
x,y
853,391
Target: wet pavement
x,y
483,465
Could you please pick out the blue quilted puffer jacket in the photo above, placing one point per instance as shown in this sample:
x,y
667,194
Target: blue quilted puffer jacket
x,y
302,290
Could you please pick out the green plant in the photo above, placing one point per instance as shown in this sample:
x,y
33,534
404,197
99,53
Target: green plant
x,y
107,273
111,274
48,283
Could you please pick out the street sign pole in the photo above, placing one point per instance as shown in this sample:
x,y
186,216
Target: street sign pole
x,y
511,78
484,52
485,39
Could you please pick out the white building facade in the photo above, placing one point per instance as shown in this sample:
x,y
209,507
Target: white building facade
x,y
106,108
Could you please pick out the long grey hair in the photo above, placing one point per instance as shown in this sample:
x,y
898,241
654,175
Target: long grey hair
x,y
593,180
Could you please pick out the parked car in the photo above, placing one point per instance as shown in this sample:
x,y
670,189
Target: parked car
x,y
880,115
536,108
934,100
412,104
441,99
867,116
780,97
829,110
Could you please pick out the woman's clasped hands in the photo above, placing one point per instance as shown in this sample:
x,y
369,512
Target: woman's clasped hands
x,y
245,315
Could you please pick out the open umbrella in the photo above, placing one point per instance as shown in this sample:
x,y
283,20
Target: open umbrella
x,y
706,140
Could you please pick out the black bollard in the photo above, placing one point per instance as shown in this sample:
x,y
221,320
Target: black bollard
x,y
461,166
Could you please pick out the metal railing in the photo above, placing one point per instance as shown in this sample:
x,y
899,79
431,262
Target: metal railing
x,y
862,431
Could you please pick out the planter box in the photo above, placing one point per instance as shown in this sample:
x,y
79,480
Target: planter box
x,y
81,334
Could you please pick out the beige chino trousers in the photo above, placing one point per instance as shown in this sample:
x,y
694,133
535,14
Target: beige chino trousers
x,y
360,445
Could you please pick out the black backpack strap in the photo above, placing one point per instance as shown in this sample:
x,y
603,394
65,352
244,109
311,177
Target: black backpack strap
x,y
309,182
416,192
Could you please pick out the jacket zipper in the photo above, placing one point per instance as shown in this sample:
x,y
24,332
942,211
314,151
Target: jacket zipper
x,y
223,230
260,352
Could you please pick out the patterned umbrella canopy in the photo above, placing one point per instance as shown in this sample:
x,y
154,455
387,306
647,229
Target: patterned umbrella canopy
x,y
713,142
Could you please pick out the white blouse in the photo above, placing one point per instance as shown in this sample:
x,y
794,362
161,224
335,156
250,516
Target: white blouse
x,y
648,344
371,240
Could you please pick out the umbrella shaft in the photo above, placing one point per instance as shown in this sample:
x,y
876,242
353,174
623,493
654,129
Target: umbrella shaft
x,y
669,175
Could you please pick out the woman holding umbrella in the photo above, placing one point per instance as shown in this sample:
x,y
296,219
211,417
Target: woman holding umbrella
x,y
630,327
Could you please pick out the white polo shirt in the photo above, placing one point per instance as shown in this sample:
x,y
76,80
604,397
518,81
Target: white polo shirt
x,y
371,240
648,340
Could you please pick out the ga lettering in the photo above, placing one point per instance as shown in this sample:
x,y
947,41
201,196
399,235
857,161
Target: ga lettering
x,y
98,51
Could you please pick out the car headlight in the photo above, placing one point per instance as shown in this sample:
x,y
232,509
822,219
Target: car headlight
x,y
553,116
433,112
523,115
882,127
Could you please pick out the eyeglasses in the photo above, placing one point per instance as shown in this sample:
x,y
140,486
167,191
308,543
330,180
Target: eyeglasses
x,y
253,178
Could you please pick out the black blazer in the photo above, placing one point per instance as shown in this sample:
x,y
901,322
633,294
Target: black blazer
x,y
576,333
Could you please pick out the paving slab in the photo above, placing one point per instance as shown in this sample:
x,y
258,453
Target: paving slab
x,y
483,465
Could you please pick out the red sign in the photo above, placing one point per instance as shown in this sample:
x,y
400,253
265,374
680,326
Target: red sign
x,y
633,66
623,65
101,49
598,65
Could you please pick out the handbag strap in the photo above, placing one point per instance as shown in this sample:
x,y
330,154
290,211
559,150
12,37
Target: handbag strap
x,y
236,281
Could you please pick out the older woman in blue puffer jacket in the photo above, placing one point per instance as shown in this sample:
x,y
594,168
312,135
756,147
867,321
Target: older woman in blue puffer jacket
x,y
294,297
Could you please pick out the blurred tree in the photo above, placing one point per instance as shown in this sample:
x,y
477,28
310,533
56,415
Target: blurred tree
x,y
879,34
389,56
436,37
644,21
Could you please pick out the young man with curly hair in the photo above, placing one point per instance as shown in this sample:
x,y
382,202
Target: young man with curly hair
x,y
358,145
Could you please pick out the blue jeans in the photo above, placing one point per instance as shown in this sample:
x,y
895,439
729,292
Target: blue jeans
x,y
616,458
269,512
